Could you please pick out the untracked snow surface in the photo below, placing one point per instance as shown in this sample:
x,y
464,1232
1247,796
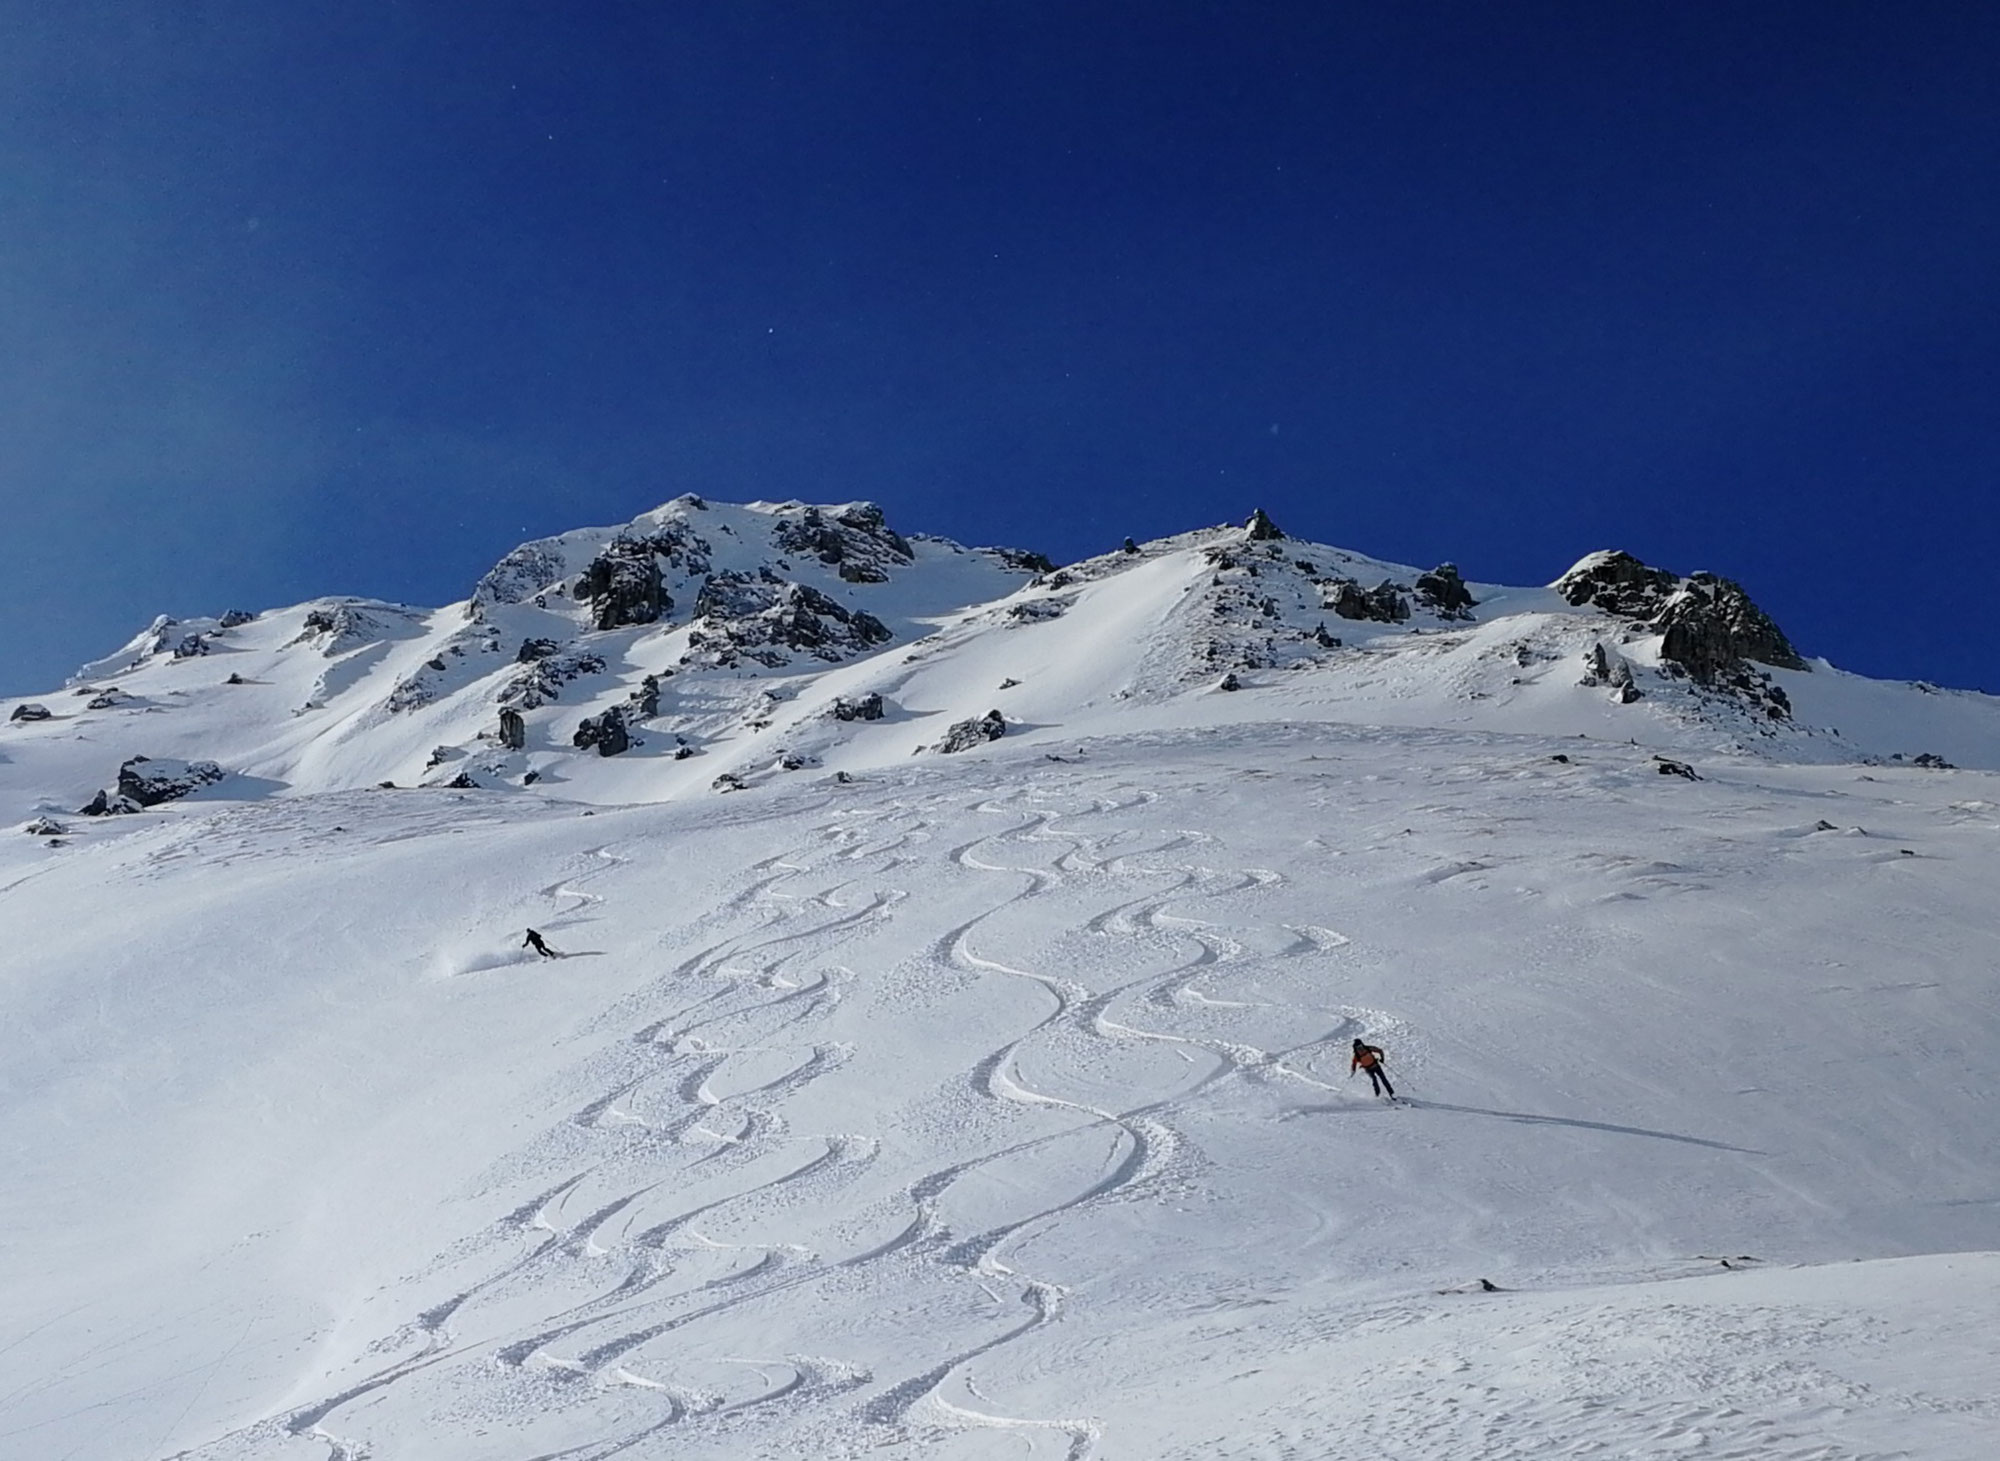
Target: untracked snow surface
x,y
997,1104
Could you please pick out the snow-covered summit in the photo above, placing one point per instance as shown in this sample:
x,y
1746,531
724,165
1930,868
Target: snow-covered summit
x,y
711,646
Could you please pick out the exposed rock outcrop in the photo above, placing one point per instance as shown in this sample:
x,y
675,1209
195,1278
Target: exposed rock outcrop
x,y
235,617
1038,611
623,585
966,734
45,827
1382,604
1022,559
864,707
1260,529
544,679
518,577
1617,583
856,540
513,729
31,710
607,732
1444,593
334,629
770,621
146,782
1708,625
1711,625
1607,667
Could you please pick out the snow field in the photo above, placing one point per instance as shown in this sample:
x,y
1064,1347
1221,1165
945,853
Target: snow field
x,y
1000,1108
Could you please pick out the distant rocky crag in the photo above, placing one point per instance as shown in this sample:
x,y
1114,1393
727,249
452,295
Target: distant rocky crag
x,y
1710,629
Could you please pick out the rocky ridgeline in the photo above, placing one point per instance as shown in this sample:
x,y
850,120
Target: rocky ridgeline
x,y
856,542
338,627
606,619
757,615
1270,598
1710,630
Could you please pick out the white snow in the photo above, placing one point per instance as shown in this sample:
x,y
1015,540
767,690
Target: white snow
x,y
997,1105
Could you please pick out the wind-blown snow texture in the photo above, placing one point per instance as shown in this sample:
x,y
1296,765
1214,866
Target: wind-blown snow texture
x,y
993,1103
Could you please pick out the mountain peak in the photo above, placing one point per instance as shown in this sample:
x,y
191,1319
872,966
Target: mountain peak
x,y
721,637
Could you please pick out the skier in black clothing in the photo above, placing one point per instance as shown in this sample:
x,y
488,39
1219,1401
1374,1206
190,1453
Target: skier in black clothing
x,y
534,941
1369,1058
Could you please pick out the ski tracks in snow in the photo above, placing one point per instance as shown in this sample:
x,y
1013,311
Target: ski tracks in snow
x,y
681,1189
1148,1154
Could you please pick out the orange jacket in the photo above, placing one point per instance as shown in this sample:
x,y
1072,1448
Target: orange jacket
x,y
1366,1058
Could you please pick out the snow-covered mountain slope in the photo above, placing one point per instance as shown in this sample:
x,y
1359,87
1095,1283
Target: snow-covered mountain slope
x,y
724,637
997,1104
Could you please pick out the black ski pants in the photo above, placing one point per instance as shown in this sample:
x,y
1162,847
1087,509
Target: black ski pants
x,y
1378,1078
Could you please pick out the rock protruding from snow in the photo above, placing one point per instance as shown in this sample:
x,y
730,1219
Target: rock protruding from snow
x,y
1607,667
1708,624
769,620
234,618
334,629
1711,626
864,707
856,541
1260,529
1021,560
45,827
1038,611
146,782
977,731
1382,604
31,710
522,574
1617,583
544,678
1444,593
513,729
623,584
607,732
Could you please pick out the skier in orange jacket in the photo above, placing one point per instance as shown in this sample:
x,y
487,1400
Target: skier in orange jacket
x,y
1369,1058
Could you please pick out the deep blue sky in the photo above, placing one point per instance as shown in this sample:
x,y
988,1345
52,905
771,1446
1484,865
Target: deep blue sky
x,y
351,298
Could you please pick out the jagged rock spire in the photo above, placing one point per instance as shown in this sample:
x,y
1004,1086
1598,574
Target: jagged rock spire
x,y
1260,528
